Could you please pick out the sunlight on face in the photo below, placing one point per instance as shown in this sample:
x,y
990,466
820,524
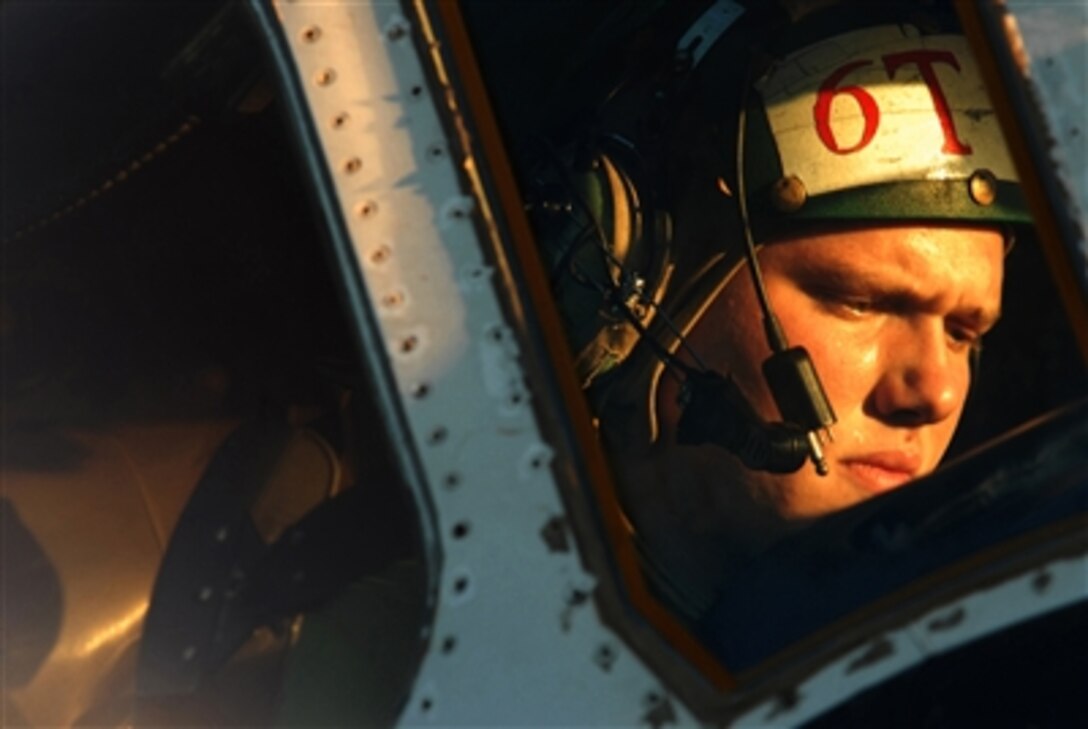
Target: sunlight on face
x,y
890,316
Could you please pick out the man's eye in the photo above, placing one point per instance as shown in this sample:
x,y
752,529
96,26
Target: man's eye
x,y
855,306
965,338
845,303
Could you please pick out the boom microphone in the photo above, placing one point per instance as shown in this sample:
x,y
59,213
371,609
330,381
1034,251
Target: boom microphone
x,y
715,411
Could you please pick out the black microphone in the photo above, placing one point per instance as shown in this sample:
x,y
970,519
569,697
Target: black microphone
x,y
715,411
801,400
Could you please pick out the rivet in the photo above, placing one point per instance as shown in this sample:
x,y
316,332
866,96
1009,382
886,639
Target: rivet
x,y
325,77
788,194
340,120
605,656
353,165
367,208
392,299
457,208
380,254
311,34
982,187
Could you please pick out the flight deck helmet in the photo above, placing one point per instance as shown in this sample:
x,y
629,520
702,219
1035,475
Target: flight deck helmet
x,y
766,119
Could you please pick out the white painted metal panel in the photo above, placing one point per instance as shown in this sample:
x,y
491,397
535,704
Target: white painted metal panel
x,y
958,622
509,645
1055,44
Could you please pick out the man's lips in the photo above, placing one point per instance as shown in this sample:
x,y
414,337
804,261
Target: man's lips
x,y
883,471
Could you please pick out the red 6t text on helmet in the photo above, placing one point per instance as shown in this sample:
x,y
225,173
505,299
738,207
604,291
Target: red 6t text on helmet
x,y
924,60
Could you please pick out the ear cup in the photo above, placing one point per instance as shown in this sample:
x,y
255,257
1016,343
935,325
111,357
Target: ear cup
x,y
607,247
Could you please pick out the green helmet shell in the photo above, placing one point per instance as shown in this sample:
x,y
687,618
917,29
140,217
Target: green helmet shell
x,y
878,124
849,113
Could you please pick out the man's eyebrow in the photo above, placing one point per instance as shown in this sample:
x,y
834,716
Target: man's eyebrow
x,y
841,278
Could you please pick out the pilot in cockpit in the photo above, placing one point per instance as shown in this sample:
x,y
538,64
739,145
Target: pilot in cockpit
x,y
778,254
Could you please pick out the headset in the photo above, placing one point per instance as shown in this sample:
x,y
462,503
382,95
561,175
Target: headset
x,y
606,230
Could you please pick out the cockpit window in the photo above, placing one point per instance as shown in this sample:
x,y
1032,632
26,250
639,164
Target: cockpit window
x,y
190,453
805,294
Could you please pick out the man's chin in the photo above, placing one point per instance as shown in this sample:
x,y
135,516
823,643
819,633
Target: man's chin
x,y
806,500
801,501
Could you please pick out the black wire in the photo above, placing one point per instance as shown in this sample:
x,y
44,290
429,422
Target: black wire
x,y
611,294
776,338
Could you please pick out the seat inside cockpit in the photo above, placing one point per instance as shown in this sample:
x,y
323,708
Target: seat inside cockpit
x,y
169,323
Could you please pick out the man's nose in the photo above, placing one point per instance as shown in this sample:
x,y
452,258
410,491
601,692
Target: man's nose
x,y
923,380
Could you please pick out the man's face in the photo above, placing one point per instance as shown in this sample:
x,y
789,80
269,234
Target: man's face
x,y
890,316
